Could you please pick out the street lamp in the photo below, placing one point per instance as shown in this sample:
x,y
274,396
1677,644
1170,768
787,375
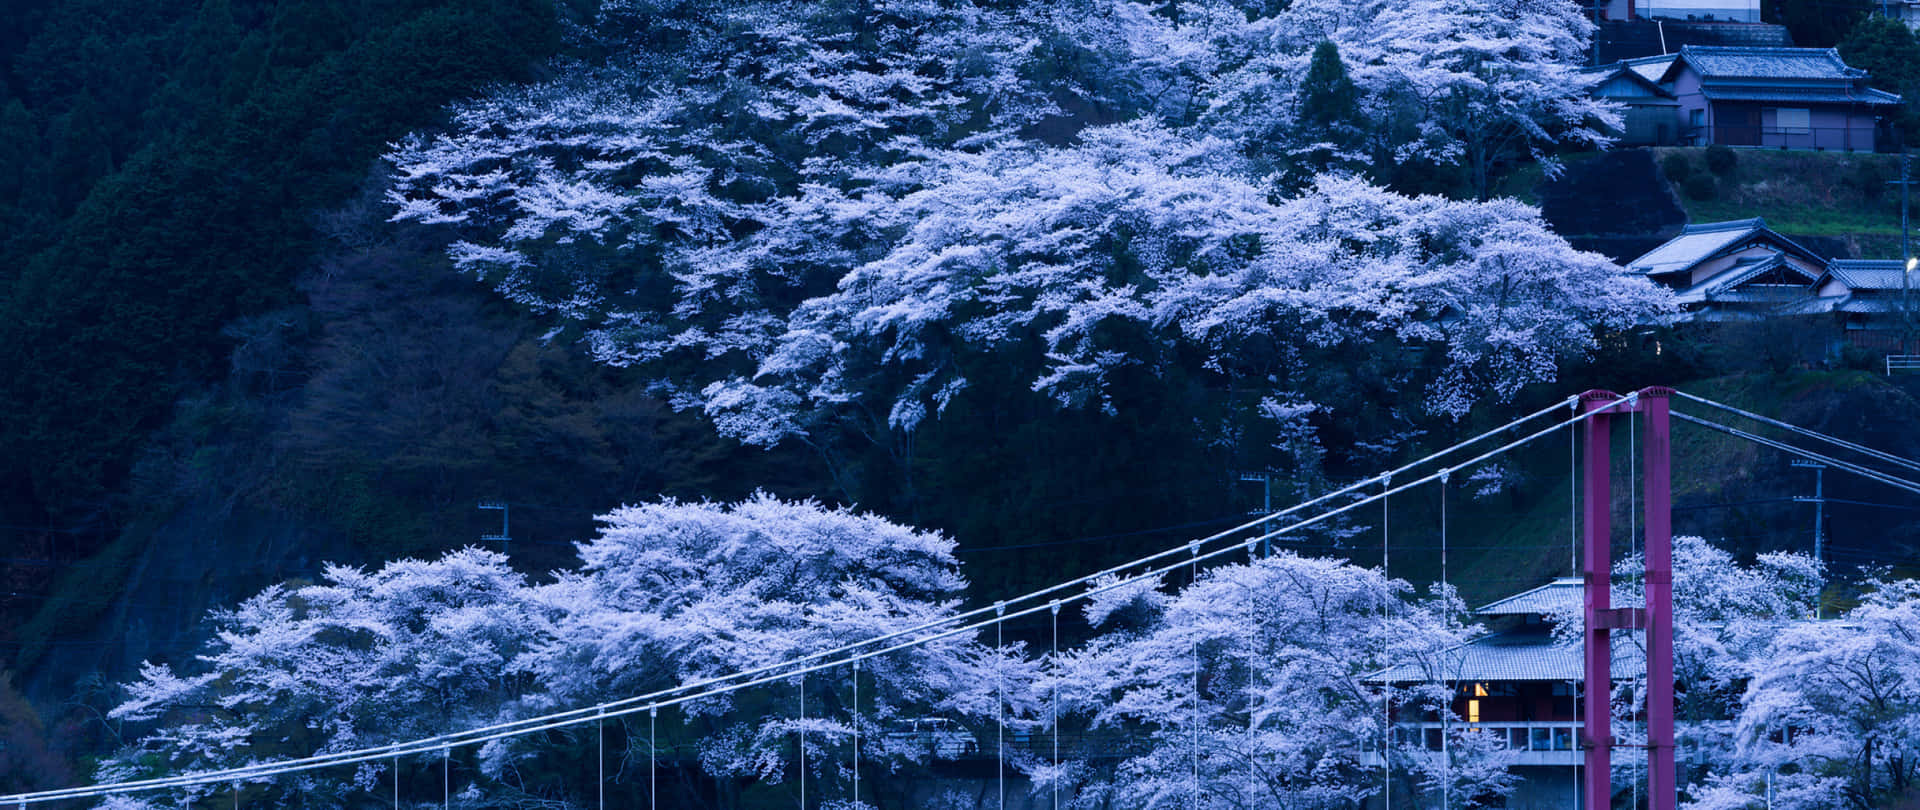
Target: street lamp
x,y
1906,307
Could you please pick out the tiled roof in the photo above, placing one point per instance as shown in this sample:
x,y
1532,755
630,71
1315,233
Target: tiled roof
x,y
1869,306
1646,71
1867,274
1722,287
1517,656
1650,68
1560,594
1732,62
1802,95
1695,244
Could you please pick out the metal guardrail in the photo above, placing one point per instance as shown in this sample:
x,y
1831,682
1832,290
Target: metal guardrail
x,y
1902,362
1825,138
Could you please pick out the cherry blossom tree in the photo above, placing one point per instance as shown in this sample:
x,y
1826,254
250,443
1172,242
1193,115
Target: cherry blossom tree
x,y
358,659
1832,716
1479,82
1247,689
668,594
810,223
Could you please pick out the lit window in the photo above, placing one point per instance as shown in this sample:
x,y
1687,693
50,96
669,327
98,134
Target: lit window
x,y
1473,711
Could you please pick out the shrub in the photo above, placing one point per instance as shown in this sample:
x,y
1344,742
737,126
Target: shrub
x,y
1870,177
1721,160
1676,167
1700,187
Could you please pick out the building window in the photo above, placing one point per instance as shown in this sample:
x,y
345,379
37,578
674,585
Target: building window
x,y
1794,120
1696,118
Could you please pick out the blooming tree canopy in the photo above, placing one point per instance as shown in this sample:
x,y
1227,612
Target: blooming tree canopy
x,y
814,221
1249,688
668,594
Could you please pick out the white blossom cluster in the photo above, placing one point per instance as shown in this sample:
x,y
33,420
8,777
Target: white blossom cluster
x,y
801,215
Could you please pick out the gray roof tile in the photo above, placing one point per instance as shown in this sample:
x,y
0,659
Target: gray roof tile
x,y
1695,244
1560,594
1729,62
1803,95
1521,656
1867,274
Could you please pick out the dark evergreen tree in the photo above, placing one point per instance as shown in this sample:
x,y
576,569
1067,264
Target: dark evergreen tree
x,y
1331,132
1818,23
1890,53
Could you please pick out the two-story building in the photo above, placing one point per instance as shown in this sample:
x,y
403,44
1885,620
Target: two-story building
x,y
1746,11
1742,270
1794,98
1522,684
1733,271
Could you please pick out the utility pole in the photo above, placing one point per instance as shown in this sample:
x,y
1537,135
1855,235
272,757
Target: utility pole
x,y
1906,246
1819,501
502,536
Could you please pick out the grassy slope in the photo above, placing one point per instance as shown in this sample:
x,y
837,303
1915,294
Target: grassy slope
x,y
1828,194
1529,544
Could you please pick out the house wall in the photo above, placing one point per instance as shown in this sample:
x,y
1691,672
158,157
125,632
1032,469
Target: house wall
x,y
1755,124
1720,264
1686,93
1648,120
1907,12
1747,11
1651,124
1619,10
1545,789
1830,127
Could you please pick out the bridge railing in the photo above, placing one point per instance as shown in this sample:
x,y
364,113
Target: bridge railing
x,y
1534,742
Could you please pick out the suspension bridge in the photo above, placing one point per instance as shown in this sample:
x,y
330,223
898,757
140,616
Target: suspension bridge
x,y
1591,416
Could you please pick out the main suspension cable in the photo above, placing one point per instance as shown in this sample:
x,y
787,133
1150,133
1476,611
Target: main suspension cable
x,y
1811,434
732,682
1862,471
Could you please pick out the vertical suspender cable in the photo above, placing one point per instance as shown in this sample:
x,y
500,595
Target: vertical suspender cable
x,y
856,731
1053,701
802,729
1633,547
1253,674
1446,712
1386,613
1000,700
653,772
1446,584
1573,565
1193,751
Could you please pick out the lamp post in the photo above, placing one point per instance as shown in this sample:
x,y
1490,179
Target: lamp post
x,y
1906,306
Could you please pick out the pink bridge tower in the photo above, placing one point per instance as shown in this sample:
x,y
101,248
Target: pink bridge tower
x,y
1602,618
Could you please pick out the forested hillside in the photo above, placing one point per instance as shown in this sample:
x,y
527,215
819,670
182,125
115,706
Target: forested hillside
x,y
292,283
168,162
